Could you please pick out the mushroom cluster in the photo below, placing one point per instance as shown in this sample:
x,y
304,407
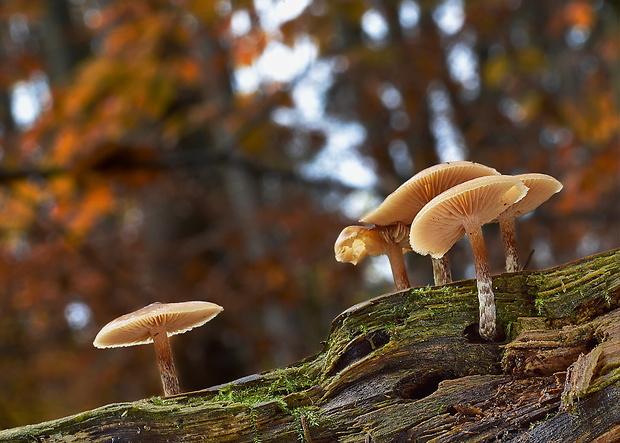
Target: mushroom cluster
x,y
438,206
393,217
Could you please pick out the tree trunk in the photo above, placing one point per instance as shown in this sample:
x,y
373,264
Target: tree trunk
x,y
406,367
61,53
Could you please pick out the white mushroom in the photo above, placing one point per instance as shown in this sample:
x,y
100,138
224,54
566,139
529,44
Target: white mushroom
x,y
154,324
461,210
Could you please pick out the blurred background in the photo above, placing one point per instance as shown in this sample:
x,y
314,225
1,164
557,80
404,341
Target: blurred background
x,y
172,150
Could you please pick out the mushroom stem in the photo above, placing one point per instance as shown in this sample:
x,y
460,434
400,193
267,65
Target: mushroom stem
x,y
394,254
486,298
167,372
507,226
441,270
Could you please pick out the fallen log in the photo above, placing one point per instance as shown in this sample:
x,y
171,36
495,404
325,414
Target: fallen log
x,y
409,366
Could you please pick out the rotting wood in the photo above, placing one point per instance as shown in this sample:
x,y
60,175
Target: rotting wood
x,y
408,366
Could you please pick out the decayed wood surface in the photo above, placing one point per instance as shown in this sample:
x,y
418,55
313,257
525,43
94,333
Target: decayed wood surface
x,y
408,366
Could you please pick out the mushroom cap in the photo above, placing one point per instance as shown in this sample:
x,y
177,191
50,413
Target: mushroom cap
x,y
443,220
408,199
356,242
175,318
541,188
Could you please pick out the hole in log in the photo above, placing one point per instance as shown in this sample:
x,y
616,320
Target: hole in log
x,y
592,343
472,335
421,385
359,348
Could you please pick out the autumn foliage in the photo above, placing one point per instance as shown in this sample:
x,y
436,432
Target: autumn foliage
x,y
155,172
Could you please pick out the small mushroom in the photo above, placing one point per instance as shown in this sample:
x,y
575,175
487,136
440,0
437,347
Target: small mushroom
x,y
356,242
154,324
402,205
464,209
541,188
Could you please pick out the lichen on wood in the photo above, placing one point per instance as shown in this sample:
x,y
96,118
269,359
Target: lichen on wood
x,y
409,366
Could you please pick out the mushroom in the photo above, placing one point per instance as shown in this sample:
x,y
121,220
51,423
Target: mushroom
x,y
356,242
402,205
154,324
541,188
464,209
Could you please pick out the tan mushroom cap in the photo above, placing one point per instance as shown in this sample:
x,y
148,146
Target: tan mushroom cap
x,y
356,242
175,318
408,199
541,188
443,220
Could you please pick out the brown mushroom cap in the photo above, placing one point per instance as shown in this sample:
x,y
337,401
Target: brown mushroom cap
x,y
541,188
441,223
175,318
404,203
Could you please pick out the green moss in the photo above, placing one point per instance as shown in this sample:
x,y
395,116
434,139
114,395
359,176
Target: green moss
x,y
158,401
447,291
509,331
611,376
362,330
249,396
286,382
275,392
254,419
310,414
539,304
547,417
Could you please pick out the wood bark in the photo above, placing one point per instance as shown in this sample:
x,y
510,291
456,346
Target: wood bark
x,y
410,366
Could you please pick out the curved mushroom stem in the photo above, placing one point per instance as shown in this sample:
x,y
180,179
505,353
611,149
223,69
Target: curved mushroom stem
x,y
167,372
441,270
507,226
394,254
393,236
486,298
